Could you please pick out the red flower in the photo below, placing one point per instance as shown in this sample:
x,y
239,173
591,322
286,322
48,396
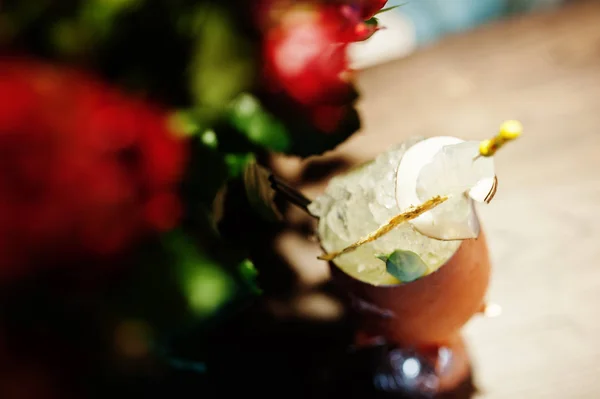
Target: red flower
x,y
368,8
362,13
84,169
305,53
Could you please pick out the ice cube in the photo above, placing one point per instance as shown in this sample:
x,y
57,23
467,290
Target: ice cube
x,y
372,203
337,221
455,169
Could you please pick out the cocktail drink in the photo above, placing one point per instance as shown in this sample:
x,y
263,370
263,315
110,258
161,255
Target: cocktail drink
x,y
416,283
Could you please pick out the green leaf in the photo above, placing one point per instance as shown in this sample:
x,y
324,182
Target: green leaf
x,y
172,283
207,172
205,283
260,127
223,60
94,23
249,274
237,163
100,15
67,37
406,266
186,124
372,21
209,138
390,8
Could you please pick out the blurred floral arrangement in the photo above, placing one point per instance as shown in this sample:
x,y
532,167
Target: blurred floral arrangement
x,y
123,124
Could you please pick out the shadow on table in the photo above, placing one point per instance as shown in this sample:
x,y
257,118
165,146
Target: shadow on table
x,y
258,354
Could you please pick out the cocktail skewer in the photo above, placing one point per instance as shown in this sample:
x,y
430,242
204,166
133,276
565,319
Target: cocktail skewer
x,y
289,193
509,131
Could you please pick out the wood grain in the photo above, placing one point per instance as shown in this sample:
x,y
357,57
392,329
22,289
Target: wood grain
x,y
544,223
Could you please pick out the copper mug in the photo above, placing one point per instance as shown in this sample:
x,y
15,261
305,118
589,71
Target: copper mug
x,y
426,314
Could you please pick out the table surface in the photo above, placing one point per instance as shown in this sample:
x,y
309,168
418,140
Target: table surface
x,y
544,223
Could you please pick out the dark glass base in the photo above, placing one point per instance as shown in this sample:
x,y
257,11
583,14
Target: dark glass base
x,y
384,371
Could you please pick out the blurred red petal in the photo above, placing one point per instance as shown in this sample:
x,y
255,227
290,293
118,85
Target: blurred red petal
x,y
163,211
78,163
305,55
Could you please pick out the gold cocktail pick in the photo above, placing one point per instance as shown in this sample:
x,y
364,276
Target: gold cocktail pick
x,y
406,216
509,131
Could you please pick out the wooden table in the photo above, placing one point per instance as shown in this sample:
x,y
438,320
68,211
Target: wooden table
x,y
544,224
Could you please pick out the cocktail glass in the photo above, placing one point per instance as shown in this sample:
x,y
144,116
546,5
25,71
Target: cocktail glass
x,y
424,314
